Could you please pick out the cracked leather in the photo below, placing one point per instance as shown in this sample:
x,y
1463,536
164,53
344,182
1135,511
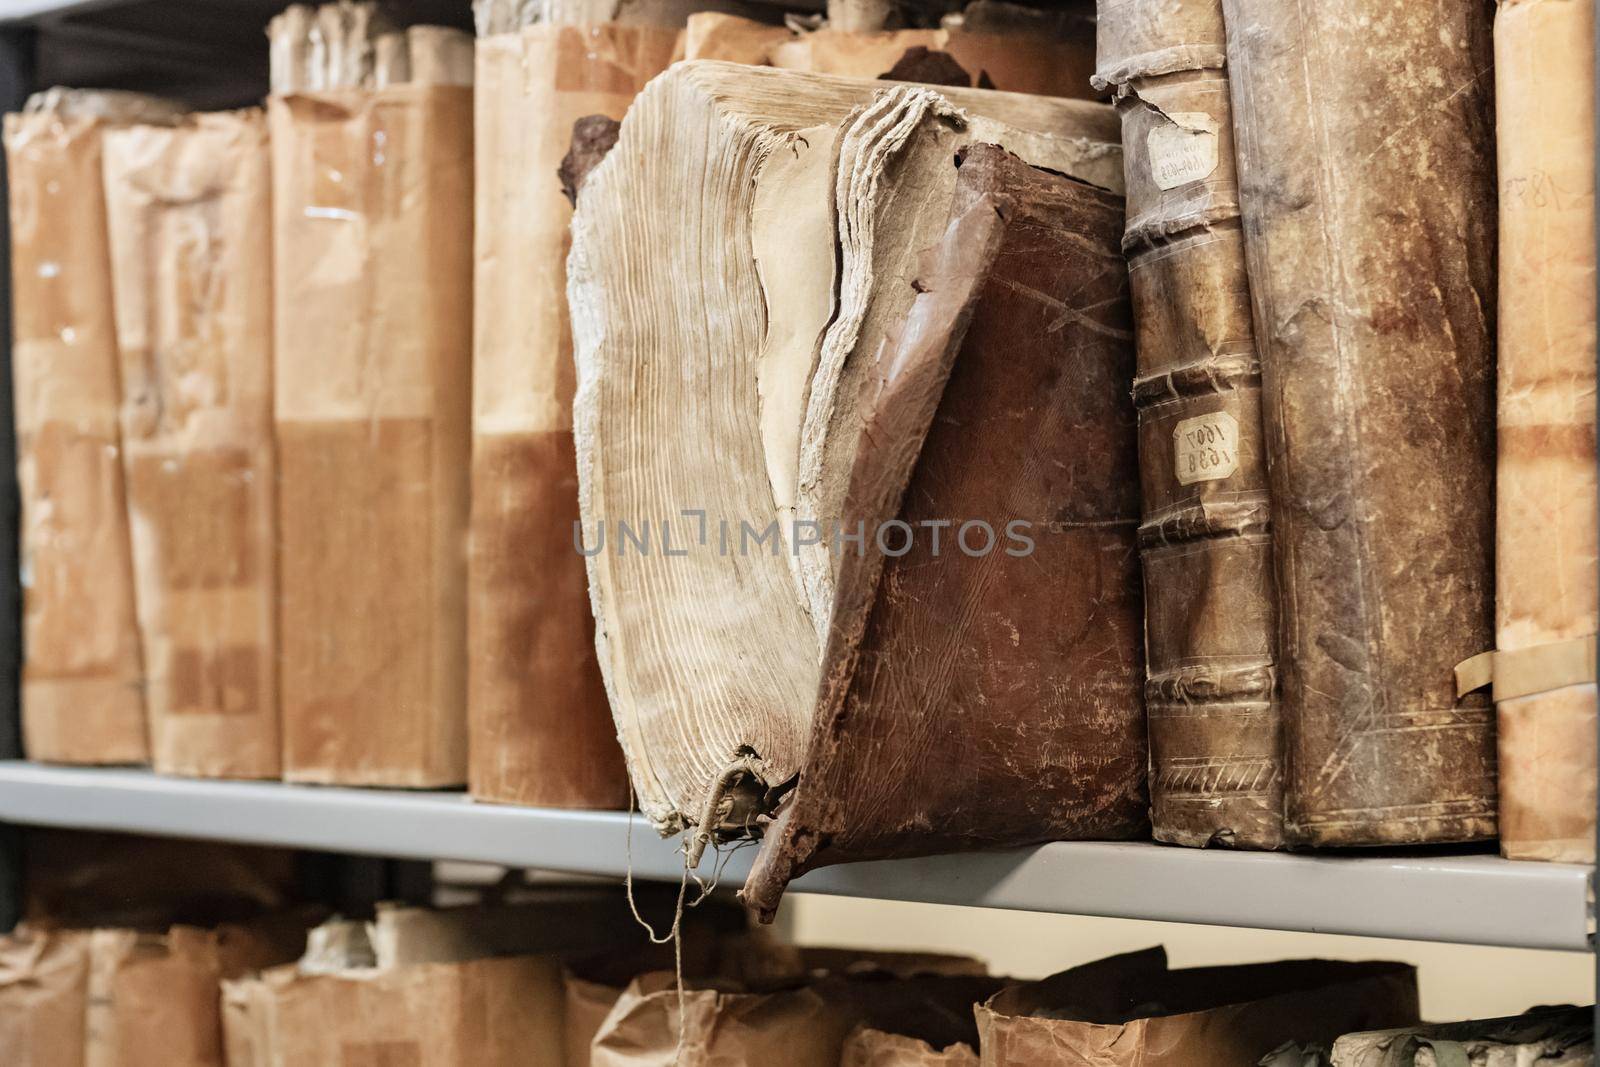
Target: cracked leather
x,y
995,700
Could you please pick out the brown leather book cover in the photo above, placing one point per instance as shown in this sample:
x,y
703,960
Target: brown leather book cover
x,y
1012,677
1365,146
1210,597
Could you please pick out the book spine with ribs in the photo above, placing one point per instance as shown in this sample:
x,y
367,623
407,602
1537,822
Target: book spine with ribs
x,y
1210,631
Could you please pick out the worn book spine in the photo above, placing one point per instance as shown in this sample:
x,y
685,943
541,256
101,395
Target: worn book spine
x,y
82,678
372,229
1546,538
540,729
1365,146
1210,600
191,242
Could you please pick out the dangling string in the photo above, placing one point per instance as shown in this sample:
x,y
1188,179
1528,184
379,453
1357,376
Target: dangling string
x,y
675,935
691,849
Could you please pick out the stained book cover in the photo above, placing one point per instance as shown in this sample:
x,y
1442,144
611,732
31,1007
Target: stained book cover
x,y
372,230
83,675
1022,322
1210,595
191,242
540,731
1546,528
1367,193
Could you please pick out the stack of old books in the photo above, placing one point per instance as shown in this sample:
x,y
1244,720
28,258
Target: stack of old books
x,y
857,476
913,455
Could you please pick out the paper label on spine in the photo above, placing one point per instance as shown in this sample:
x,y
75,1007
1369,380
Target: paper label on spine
x,y
1183,150
1205,448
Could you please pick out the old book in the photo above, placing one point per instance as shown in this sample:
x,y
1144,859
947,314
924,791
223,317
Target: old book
x,y
44,997
1132,1010
1546,527
1210,599
190,217
959,662
1550,1037
372,195
718,410
1367,192
540,731
1001,46
82,678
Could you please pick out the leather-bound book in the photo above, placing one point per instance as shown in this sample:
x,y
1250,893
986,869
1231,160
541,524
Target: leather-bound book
x,y
1545,574
750,413
1365,145
1210,598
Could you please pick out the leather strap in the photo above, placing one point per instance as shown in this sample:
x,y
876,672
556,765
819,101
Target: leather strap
x,y
1523,672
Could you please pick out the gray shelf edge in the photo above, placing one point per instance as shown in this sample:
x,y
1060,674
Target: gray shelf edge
x,y
14,12
1469,899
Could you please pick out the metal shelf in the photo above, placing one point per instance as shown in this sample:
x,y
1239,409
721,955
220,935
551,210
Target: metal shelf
x,y
1476,899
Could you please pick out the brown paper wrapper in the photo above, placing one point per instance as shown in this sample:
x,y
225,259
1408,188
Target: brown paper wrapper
x,y
797,1022
935,1003
82,700
1132,1010
190,232
875,1048
372,223
541,730
156,1000
1023,62
44,996
797,1028
1545,526
487,1012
